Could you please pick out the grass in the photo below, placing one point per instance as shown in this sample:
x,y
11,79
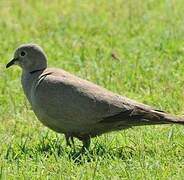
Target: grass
x,y
134,48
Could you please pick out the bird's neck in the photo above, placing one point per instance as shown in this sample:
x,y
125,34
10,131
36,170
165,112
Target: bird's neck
x,y
28,79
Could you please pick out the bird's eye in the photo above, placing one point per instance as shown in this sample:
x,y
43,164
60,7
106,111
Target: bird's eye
x,y
22,53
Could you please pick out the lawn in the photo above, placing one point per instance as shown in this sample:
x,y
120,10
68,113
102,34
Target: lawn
x,y
134,48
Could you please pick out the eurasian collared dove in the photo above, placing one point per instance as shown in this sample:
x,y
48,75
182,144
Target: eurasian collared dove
x,y
76,107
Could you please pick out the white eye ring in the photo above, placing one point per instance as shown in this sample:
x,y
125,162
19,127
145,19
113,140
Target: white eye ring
x,y
22,53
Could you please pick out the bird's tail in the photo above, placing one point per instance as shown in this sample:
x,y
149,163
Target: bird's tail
x,y
139,116
153,117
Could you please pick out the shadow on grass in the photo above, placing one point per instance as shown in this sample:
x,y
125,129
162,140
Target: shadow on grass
x,y
56,149
102,152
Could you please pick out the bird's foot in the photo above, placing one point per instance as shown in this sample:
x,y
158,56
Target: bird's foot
x,y
86,144
69,140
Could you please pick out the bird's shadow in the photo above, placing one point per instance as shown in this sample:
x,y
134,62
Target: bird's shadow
x,y
81,157
57,149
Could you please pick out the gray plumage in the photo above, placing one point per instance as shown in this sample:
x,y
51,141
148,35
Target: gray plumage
x,y
76,107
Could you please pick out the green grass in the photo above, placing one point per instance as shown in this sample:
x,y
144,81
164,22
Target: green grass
x,y
81,36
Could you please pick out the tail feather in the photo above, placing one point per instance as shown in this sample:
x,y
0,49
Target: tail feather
x,y
168,118
140,116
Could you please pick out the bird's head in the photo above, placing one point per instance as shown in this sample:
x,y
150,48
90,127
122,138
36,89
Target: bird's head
x,y
30,57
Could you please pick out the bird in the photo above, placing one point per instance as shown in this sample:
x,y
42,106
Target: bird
x,y
76,107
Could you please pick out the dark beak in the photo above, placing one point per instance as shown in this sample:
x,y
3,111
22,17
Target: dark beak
x,y
12,62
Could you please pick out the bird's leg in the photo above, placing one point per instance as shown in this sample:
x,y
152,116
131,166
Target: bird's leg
x,y
86,143
72,140
69,140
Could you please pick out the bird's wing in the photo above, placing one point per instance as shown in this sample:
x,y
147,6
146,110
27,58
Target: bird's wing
x,y
67,96
137,116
